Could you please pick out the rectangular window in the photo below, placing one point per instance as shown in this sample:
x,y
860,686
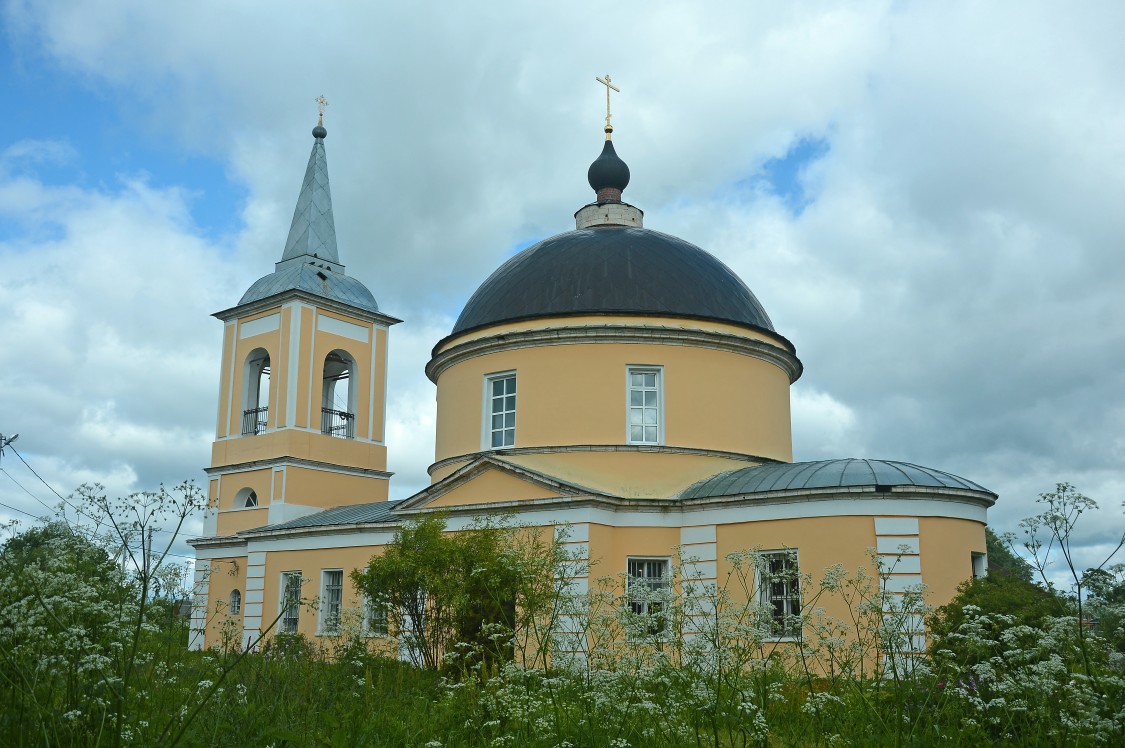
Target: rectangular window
x,y
779,592
290,602
331,600
647,586
644,393
980,565
500,411
374,617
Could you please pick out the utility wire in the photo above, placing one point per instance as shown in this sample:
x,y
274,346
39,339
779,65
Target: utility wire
x,y
8,445
56,493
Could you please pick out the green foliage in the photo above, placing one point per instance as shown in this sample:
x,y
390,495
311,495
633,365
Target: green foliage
x,y
480,590
87,661
1001,560
1026,603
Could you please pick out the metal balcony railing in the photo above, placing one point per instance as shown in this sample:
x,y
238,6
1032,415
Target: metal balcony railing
x,y
337,423
254,421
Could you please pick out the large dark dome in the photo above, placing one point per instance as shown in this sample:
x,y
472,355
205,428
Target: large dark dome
x,y
613,270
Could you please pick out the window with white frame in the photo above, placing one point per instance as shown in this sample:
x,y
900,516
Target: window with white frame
x,y
374,617
290,602
647,585
980,565
331,600
779,591
500,410
235,602
645,396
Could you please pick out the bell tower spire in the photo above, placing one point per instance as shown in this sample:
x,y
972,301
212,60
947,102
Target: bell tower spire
x,y
312,234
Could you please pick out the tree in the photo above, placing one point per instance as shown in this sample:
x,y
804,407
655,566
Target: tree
x,y
1001,560
477,587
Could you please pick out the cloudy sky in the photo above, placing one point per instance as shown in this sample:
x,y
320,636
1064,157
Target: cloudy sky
x,y
926,197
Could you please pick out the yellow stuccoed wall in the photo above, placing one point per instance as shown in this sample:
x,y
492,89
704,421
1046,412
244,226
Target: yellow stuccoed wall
x,y
235,520
493,485
576,394
310,563
947,546
628,474
228,573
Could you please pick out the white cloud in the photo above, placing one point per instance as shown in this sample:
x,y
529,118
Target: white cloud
x,y
953,288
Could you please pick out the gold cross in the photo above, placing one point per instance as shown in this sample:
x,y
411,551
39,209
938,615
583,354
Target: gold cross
x,y
608,83
321,102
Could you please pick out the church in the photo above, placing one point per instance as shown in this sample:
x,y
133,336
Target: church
x,y
613,382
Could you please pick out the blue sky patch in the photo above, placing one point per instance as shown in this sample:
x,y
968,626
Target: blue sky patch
x,y
104,148
783,176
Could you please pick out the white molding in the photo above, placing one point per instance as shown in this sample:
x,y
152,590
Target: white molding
x,y
371,389
902,582
344,329
891,544
895,564
548,513
294,365
259,326
579,533
222,428
693,535
896,525
700,551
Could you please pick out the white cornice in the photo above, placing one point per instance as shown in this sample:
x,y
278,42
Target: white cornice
x,y
636,334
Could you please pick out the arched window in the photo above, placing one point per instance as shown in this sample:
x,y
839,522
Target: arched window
x,y
235,602
256,392
338,395
245,498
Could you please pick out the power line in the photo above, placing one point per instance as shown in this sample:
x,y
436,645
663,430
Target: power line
x,y
8,443
29,493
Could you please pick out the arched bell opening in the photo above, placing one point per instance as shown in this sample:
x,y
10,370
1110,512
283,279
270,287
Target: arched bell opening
x,y
338,395
256,392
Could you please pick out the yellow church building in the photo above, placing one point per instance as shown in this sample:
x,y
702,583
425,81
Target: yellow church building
x,y
614,381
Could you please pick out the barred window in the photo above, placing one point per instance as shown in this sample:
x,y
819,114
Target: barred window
x,y
779,591
290,602
331,600
647,584
374,617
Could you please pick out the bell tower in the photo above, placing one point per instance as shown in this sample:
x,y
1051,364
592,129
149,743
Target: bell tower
x,y
302,394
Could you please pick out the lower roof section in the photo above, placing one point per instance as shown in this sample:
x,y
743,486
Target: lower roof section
x,y
841,473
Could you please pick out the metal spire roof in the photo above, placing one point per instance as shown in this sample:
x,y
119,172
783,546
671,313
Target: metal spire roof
x,y
311,262
313,231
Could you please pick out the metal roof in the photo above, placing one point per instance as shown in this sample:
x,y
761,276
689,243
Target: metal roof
x,y
315,280
313,231
311,261
825,474
613,270
355,514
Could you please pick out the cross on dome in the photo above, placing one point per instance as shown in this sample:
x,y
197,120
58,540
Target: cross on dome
x,y
608,83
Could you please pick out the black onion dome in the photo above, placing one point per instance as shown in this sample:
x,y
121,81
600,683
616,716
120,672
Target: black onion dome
x,y
608,170
320,132
613,270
